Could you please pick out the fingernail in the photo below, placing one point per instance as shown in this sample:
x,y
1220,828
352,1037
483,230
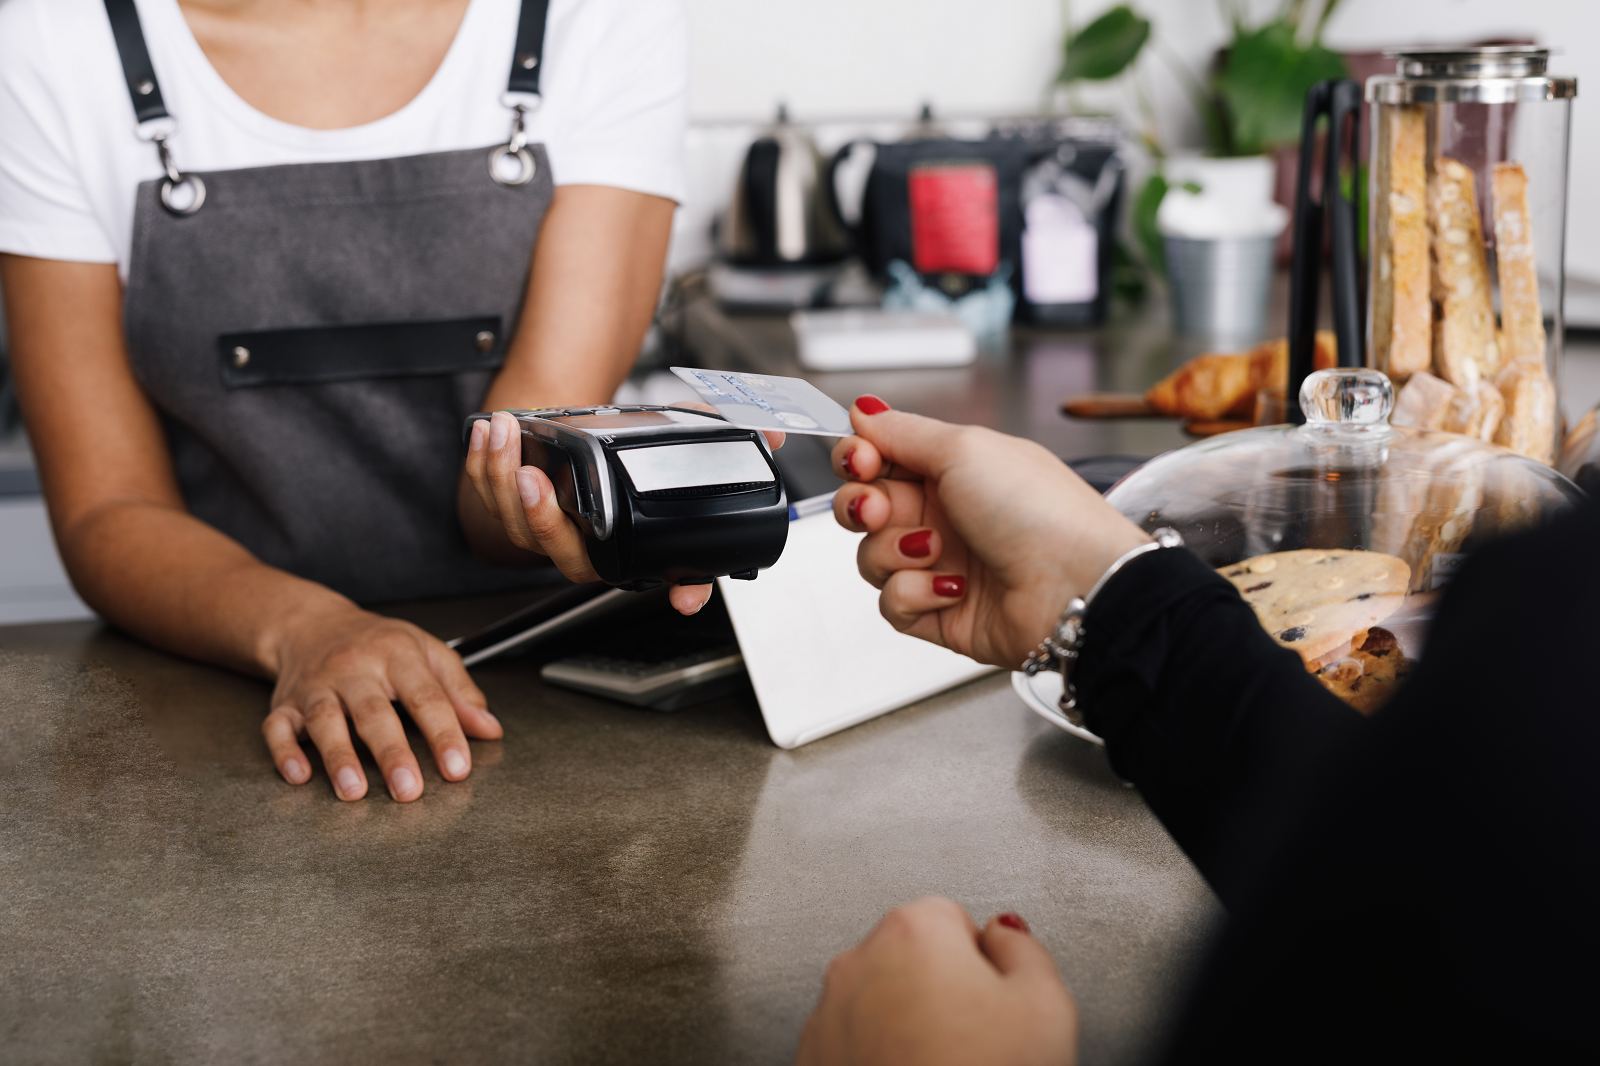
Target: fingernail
x,y
294,770
870,405
917,545
527,488
455,764
349,783
499,431
848,462
853,509
1013,921
951,586
402,782
480,430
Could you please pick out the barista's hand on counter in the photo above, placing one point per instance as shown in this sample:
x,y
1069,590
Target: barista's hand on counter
x,y
927,987
522,499
977,539
342,660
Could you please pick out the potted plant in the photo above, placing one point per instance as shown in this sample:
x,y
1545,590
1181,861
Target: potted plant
x,y
1250,101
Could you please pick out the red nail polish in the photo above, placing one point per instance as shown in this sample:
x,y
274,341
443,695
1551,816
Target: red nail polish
x,y
848,462
870,405
952,586
853,509
917,545
1013,921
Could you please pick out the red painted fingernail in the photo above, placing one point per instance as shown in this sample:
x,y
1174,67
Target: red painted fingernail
x,y
853,509
951,586
848,462
917,545
870,405
1012,920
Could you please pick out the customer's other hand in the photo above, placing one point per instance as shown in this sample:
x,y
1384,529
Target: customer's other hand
x,y
928,988
523,500
977,539
339,665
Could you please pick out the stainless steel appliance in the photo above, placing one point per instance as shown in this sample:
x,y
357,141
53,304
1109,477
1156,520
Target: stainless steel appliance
x,y
783,211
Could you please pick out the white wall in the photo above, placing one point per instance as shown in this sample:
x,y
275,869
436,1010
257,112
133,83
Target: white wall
x,y
837,58
859,58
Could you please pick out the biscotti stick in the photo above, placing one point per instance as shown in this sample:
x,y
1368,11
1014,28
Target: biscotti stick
x,y
1521,319
1476,409
1465,329
1529,425
1424,403
1402,315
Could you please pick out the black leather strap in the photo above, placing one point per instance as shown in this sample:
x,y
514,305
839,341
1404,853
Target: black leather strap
x,y
528,60
317,354
136,67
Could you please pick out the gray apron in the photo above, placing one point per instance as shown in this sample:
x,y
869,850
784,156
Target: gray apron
x,y
314,335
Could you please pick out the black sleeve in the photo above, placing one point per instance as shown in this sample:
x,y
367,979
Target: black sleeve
x,y
1435,899
1217,725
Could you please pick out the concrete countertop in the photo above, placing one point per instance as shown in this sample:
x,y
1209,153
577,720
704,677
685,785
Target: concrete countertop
x,y
610,885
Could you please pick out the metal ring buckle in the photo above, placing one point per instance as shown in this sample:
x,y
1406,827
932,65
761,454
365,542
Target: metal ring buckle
x,y
176,178
517,146
524,159
194,182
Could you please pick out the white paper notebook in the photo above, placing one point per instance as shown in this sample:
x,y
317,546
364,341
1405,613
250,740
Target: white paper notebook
x,y
819,654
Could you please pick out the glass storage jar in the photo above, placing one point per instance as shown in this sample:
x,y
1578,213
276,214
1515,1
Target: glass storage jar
x,y
1468,202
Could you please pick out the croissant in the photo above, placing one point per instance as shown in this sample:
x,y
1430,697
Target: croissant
x,y
1212,386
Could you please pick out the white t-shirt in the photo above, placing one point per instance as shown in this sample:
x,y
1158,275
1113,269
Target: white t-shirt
x,y
614,83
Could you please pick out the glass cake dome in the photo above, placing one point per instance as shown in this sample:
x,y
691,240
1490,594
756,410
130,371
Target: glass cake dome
x,y
1341,532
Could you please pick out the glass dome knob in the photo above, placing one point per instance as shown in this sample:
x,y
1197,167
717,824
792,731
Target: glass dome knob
x,y
1347,396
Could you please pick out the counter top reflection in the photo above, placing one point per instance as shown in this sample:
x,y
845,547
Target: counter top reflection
x,y
610,885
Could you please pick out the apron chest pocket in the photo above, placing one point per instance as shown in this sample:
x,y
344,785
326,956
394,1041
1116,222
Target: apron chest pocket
x,y
317,354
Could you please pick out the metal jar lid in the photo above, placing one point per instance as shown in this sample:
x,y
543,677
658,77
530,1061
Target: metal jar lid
x,y
1501,74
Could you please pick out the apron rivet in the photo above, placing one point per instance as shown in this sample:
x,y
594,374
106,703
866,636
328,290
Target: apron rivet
x,y
527,60
145,87
241,357
485,341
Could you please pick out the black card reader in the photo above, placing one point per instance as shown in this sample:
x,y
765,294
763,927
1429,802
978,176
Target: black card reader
x,y
662,494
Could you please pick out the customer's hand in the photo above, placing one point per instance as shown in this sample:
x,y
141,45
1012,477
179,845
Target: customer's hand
x,y
522,499
339,665
927,988
977,539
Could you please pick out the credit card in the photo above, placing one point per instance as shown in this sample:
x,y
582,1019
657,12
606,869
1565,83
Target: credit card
x,y
762,401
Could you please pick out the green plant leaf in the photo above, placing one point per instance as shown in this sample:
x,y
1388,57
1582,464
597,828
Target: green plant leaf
x,y
1144,222
1104,48
1128,281
1264,85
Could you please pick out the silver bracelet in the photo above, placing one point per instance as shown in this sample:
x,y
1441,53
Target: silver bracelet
x,y
1059,651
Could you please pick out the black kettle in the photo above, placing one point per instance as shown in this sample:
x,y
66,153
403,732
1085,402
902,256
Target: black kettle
x,y
784,212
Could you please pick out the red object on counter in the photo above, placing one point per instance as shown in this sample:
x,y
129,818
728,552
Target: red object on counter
x,y
955,218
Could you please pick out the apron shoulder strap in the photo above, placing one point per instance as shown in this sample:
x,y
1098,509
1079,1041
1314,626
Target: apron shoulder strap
x,y
527,60
136,67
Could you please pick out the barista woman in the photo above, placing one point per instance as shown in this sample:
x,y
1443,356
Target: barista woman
x,y
260,262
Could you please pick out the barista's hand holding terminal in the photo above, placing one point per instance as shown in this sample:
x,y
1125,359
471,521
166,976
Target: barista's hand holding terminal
x,y
522,499
1414,886
261,259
